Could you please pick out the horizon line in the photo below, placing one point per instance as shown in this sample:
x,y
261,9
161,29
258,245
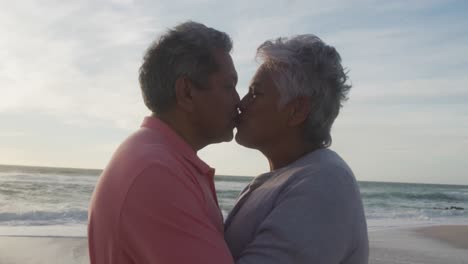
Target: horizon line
x,y
94,169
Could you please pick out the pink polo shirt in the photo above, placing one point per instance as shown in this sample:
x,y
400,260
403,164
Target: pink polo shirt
x,y
155,202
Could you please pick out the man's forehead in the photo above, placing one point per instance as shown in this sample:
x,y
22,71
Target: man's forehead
x,y
226,65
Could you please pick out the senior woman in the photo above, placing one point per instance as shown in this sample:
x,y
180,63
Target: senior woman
x,y
307,208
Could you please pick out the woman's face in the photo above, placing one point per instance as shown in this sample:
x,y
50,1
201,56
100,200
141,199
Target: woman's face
x,y
261,122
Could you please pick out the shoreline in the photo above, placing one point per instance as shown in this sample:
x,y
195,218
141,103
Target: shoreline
x,y
454,235
433,244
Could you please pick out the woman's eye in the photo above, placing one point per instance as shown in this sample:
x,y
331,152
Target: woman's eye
x,y
252,93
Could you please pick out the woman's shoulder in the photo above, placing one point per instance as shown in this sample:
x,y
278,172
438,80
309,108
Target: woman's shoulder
x,y
321,167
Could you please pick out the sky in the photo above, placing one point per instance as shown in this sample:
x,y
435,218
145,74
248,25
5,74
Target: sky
x,y
69,90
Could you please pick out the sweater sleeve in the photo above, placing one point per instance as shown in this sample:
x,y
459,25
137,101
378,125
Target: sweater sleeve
x,y
311,222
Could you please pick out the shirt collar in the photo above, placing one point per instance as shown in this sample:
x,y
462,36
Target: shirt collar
x,y
178,144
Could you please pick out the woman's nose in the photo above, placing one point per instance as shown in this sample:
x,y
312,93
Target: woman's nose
x,y
243,103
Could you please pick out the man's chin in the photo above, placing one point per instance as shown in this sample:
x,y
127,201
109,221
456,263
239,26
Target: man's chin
x,y
228,137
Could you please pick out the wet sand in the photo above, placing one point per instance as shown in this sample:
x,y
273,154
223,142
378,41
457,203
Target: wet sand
x,y
426,245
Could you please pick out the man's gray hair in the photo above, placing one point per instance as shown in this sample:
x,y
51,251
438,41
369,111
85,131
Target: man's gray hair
x,y
304,65
187,50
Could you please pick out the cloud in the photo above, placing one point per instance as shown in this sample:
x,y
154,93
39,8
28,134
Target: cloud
x,y
430,91
61,63
12,134
79,60
57,61
75,64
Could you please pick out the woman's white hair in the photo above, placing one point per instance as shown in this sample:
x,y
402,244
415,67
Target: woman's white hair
x,y
304,65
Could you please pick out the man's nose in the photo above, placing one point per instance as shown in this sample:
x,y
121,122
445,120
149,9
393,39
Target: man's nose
x,y
236,98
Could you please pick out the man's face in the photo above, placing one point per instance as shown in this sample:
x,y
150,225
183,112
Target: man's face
x,y
216,104
261,122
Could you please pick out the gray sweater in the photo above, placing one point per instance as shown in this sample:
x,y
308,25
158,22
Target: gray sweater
x,y
308,212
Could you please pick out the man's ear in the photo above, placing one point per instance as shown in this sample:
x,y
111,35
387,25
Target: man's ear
x,y
184,93
299,110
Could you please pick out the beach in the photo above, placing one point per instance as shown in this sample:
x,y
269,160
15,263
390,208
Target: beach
x,y
42,250
44,216
420,245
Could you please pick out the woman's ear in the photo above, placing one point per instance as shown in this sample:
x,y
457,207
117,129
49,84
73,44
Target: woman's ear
x,y
300,110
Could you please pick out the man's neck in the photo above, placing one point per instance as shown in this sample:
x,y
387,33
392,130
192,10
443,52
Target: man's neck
x,y
181,126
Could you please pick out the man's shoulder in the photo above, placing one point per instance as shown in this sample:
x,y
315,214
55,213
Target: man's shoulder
x,y
142,150
148,145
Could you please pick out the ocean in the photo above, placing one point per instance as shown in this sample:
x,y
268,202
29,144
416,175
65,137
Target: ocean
x,y
38,201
